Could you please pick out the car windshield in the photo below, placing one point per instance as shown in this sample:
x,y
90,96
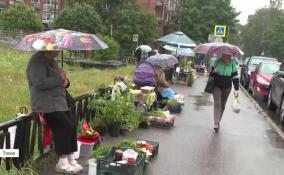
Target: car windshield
x,y
255,62
269,68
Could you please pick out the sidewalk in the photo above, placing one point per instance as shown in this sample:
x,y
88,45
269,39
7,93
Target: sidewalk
x,y
245,145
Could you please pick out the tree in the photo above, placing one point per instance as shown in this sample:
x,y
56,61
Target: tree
x,y
134,22
198,18
20,17
273,39
80,17
110,53
70,3
254,41
276,3
126,19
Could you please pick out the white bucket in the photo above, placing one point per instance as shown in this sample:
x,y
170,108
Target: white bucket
x,y
86,149
92,167
77,153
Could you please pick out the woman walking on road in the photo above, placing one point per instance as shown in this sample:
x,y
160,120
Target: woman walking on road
x,y
224,73
47,83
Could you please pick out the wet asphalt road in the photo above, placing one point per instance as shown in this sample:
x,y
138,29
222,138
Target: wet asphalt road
x,y
245,145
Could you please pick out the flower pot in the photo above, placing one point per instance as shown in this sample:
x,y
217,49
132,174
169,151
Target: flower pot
x,y
92,166
86,149
102,130
123,131
144,125
115,129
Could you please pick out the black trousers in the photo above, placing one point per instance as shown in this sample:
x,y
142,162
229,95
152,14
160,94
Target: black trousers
x,y
64,132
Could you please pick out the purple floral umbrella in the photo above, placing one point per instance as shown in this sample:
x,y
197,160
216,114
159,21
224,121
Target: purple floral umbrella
x,y
218,49
60,39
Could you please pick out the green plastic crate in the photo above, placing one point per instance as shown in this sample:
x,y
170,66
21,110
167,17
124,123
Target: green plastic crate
x,y
106,165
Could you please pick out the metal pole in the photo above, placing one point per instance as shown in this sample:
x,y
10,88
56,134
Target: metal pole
x,y
111,28
62,59
228,34
55,3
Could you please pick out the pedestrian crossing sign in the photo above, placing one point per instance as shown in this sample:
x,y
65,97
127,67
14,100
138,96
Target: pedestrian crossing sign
x,y
220,31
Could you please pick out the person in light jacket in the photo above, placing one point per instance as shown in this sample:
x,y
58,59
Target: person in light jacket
x,y
225,74
47,83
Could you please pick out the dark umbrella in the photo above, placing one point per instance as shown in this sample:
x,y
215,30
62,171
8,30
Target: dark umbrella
x,y
163,60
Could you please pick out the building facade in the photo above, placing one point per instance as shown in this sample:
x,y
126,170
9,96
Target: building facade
x,y
165,10
45,9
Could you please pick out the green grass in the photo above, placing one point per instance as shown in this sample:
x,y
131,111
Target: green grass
x,y
14,88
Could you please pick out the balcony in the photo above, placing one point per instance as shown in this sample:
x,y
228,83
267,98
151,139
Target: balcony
x,y
2,4
159,3
36,5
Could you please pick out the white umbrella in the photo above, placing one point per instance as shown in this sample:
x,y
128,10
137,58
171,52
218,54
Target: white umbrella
x,y
144,48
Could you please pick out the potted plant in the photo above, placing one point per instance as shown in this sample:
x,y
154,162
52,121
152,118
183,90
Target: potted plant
x,y
100,125
130,118
114,115
101,107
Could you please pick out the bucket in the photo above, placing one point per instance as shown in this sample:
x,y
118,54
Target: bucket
x,y
86,149
92,167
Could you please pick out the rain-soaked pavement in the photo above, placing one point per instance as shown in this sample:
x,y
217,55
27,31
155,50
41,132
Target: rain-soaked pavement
x,y
245,145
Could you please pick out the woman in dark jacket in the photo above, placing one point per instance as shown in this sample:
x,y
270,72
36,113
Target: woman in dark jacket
x,y
47,83
224,73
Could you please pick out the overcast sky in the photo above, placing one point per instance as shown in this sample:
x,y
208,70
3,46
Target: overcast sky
x,y
248,7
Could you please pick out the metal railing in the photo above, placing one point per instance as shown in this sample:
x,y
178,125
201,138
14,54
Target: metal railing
x,y
29,134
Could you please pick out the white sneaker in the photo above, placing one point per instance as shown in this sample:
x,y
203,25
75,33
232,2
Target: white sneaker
x,y
74,163
64,167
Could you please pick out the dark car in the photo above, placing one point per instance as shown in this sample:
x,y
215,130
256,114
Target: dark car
x,y
276,92
261,77
250,65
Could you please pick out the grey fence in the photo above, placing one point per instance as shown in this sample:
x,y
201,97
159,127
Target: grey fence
x,y
29,134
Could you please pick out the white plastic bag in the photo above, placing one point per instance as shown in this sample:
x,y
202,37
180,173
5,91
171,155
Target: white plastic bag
x,y
236,105
129,153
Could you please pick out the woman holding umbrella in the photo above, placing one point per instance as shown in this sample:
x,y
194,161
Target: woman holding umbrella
x,y
224,73
47,83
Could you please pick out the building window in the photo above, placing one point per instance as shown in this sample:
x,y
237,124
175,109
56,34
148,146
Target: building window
x,y
47,16
2,9
35,1
49,1
106,6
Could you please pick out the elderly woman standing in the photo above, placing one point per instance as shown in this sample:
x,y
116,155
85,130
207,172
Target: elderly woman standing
x,y
47,83
224,73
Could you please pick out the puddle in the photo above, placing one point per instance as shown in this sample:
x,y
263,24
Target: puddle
x,y
275,140
202,100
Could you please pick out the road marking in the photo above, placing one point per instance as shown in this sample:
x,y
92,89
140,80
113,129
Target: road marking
x,y
262,112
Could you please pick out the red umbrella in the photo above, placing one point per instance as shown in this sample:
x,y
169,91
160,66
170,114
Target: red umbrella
x,y
218,49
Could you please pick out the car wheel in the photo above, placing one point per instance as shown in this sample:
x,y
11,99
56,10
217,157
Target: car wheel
x,y
282,111
254,91
241,80
246,84
271,106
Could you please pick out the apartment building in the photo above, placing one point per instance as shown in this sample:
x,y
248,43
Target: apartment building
x,y
165,10
45,9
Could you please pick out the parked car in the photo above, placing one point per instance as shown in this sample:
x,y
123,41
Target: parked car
x,y
250,65
260,78
276,93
